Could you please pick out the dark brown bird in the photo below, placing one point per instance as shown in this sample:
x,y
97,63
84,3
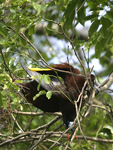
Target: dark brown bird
x,y
64,92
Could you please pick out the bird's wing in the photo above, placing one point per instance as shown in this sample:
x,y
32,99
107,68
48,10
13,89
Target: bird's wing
x,y
29,90
55,84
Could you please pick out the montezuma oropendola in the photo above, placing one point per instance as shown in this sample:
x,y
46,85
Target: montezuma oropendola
x,y
69,88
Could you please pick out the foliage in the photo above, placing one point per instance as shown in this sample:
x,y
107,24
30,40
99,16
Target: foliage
x,y
23,22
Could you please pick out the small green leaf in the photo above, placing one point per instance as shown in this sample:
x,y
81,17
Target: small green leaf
x,y
15,86
110,28
11,62
78,42
40,78
81,14
69,20
69,14
94,27
12,10
77,46
22,41
110,15
6,76
98,49
18,81
10,88
37,7
3,30
103,42
3,99
49,94
106,23
107,131
91,17
46,78
75,41
109,127
18,26
81,42
39,83
39,94
5,86
37,76
109,40
51,3
31,30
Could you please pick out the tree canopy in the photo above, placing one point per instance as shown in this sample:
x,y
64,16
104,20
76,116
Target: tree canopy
x,y
43,32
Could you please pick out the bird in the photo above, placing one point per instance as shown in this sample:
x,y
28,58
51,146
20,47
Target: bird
x,y
66,83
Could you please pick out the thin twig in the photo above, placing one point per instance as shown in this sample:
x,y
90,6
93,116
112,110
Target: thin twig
x,y
16,122
7,66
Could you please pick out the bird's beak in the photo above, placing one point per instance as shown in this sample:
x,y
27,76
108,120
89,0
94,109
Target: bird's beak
x,y
40,69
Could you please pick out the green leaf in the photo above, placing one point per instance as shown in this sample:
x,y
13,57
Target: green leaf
x,y
51,3
15,86
81,42
109,40
3,31
106,23
81,13
109,127
18,26
78,43
39,94
75,41
69,20
18,81
37,7
11,62
6,76
37,76
49,94
110,28
22,41
94,27
110,15
31,30
40,79
103,42
3,99
46,78
98,49
69,14
39,83
91,17
107,131
10,88
70,8
12,10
